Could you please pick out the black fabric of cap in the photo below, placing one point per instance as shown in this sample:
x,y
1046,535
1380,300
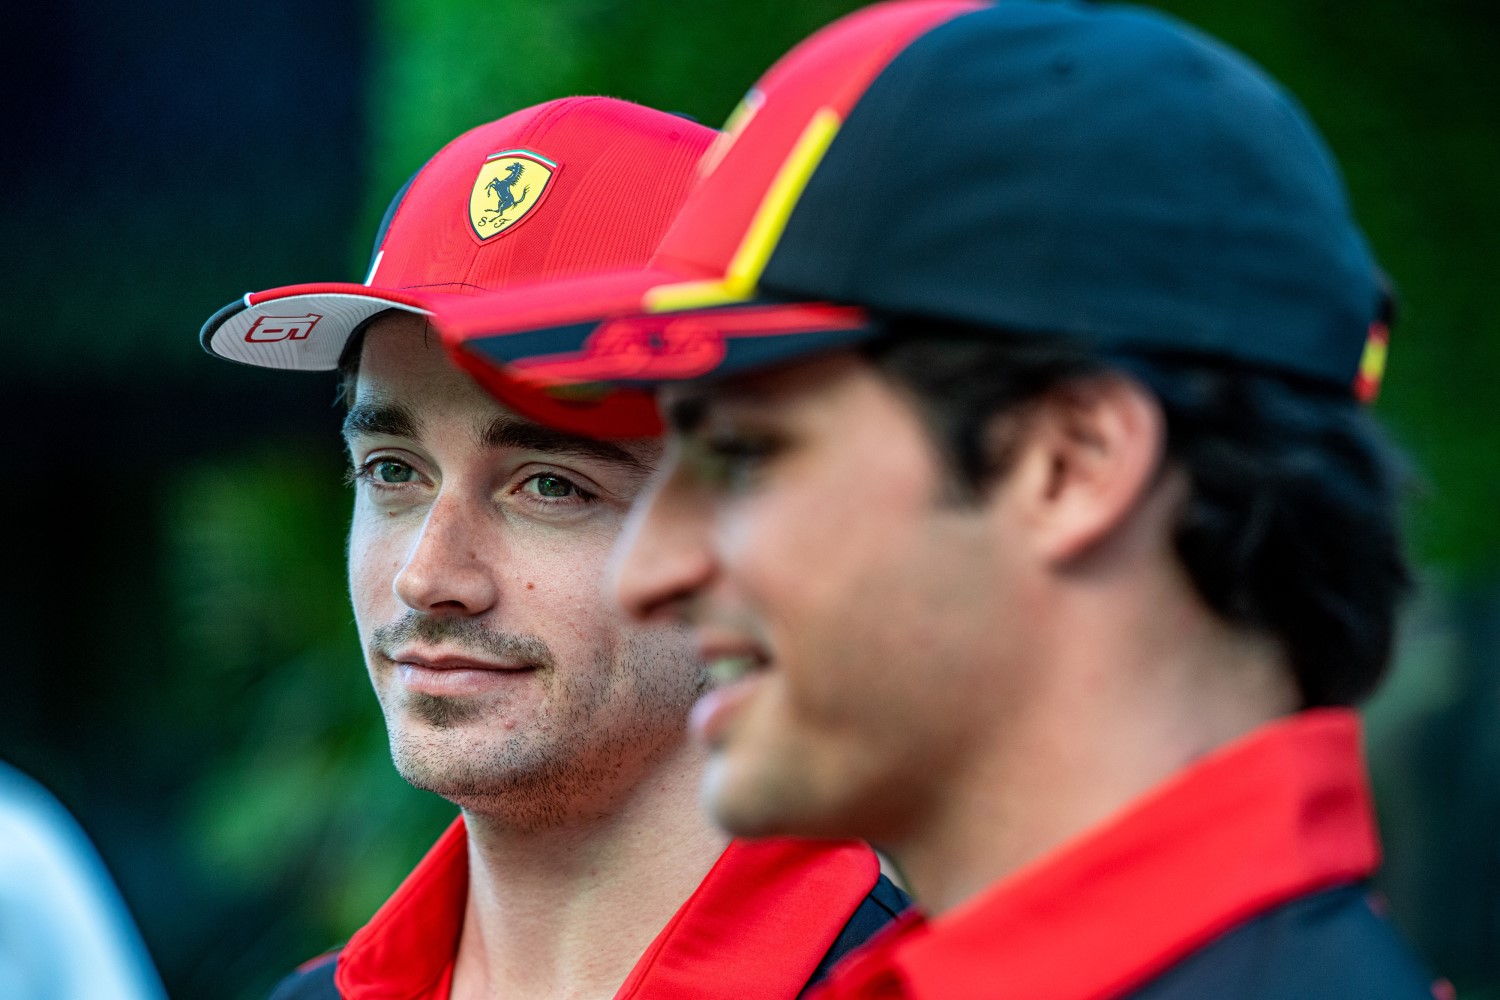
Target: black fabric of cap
x,y
1096,171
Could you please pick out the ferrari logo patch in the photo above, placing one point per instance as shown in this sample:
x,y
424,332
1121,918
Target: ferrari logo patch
x,y
509,186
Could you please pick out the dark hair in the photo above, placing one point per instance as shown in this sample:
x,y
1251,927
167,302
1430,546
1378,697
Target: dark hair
x,y
348,368
1291,528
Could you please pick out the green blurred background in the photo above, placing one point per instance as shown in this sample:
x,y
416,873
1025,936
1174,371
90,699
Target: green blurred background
x,y
183,671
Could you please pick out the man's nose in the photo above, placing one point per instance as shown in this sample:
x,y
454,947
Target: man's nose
x,y
443,572
664,556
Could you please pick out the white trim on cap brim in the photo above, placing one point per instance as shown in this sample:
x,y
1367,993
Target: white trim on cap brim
x,y
302,343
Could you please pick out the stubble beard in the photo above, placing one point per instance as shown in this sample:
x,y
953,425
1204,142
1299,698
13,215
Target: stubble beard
x,y
572,758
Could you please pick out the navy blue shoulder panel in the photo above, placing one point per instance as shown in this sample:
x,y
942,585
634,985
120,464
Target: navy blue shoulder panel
x,y
1327,946
312,981
884,903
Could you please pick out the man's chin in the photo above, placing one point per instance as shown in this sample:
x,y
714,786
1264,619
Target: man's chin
x,y
736,804
774,799
517,796
423,710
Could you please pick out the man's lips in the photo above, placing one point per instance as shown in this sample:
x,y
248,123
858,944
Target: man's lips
x,y
454,661
735,676
445,674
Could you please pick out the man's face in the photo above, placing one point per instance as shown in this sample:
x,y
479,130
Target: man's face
x,y
846,606
508,680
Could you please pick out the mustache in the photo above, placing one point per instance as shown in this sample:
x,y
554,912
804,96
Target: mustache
x,y
464,633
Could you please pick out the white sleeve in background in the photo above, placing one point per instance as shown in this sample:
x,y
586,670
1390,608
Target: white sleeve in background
x,y
65,933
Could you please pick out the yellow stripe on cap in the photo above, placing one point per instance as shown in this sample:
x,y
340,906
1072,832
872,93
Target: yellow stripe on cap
x,y
771,218
765,229
692,295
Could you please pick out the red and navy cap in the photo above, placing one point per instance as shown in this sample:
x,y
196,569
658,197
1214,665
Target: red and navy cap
x,y
1055,168
573,185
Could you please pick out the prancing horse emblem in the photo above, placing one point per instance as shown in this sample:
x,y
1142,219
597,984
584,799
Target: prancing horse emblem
x,y
509,186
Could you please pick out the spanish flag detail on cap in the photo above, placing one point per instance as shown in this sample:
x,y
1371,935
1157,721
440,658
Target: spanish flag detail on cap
x,y
1372,363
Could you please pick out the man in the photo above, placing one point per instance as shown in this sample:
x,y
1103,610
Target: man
x,y
510,684
1020,497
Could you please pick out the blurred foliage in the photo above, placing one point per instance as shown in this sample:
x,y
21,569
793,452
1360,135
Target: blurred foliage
x,y
1435,761
240,538
189,670
303,798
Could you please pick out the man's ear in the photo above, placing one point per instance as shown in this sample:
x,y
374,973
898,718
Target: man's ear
x,y
1084,458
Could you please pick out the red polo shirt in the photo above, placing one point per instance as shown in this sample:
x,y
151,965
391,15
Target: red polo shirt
x,y
757,925
1279,814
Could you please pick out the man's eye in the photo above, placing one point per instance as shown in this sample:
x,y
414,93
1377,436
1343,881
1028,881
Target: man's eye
x,y
736,448
390,471
731,460
385,472
554,487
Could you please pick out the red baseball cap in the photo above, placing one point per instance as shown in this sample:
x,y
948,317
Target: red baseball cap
x,y
1054,169
573,185
578,343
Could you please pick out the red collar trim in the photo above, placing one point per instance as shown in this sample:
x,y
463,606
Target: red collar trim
x,y
406,951
1280,813
766,914
759,923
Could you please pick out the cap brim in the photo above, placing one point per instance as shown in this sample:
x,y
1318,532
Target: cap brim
x,y
301,327
585,354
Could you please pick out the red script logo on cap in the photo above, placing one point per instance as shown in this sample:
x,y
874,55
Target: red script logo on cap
x,y
647,347
269,329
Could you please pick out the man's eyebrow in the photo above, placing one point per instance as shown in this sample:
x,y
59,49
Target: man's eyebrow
x,y
691,411
511,432
380,419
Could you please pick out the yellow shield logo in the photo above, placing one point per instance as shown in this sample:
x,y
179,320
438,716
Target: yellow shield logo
x,y
509,186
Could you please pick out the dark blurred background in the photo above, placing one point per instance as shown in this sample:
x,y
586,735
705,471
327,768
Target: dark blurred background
x,y
183,669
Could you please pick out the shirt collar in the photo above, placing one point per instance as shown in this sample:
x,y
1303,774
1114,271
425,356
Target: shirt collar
x,y
406,950
1282,812
759,923
766,914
